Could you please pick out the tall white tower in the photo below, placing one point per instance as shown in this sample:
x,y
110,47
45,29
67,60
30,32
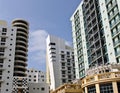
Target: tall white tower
x,y
13,56
60,62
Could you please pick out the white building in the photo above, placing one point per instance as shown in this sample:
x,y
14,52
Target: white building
x,y
37,81
13,56
96,34
36,76
60,62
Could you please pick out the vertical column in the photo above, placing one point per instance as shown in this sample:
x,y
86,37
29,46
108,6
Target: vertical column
x,y
86,90
97,88
97,85
115,88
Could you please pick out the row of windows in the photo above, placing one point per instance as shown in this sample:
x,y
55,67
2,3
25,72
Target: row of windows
x,y
114,20
42,76
111,4
33,71
104,88
35,80
42,89
115,30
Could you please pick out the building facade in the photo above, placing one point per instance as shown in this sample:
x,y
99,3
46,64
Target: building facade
x,y
37,81
13,56
96,31
36,76
104,81
60,62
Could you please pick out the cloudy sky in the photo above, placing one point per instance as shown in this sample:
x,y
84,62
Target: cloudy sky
x,y
45,17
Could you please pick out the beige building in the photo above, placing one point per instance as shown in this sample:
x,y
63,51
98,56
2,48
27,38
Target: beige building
x,y
68,88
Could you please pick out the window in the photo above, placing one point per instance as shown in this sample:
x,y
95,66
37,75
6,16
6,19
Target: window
x,y
106,88
117,18
2,49
118,26
29,79
29,75
63,80
62,56
51,44
92,89
114,31
4,30
42,76
63,64
118,84
3,39
42,89
34,80
1,60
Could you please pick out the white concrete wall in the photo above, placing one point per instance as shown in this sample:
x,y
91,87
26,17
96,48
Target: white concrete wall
x,y
37,75
8,65
107,31
55,66
38,88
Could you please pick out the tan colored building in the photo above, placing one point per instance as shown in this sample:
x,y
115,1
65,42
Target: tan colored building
x,y
102,79
68,88
102,83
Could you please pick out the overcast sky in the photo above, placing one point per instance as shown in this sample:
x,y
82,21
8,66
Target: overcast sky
x,y
45,17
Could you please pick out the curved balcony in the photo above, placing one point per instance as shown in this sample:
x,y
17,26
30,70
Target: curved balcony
x,y
20,23
17,24
68,88
19,20
20,47
101,78
19,73
20,50
21,44
19,36
20,67
19,41
22,32
20,62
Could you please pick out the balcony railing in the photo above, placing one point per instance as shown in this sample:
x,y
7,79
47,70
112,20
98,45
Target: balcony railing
x,y
99,78
68,88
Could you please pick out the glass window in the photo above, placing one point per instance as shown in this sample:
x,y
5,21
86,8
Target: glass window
x,y
91,89
118,26
113,1
3,39
117,18
106,88
114,31
109,5
118,84
115,40
115,9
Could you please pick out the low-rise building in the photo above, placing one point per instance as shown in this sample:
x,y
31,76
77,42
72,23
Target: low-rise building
x,y
37,81
68,88
102,79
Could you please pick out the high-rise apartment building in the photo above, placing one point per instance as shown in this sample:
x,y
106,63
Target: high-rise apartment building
x,y
96,34
13,56
37,81
60,62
